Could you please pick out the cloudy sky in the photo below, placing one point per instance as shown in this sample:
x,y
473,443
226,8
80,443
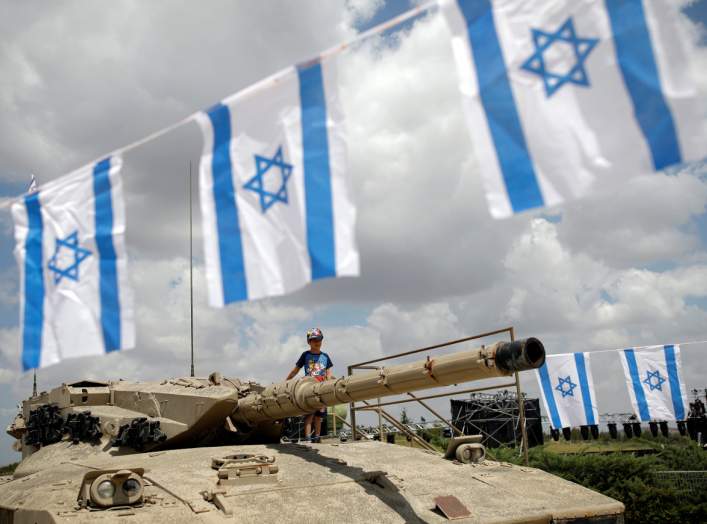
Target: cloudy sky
x,y
79,79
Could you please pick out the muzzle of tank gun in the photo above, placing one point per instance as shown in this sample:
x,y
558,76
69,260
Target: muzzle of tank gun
x,y
305,395
520,355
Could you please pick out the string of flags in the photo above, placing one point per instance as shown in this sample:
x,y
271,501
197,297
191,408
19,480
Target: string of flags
x,y
653,380
560,97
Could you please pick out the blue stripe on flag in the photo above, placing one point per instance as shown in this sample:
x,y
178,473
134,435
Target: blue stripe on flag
x,y
549,397
317,175
233,276
499,105
640,72
674,378
637,387
33,318
108,279
584,386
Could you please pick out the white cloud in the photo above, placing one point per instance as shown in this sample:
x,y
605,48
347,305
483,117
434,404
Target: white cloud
x,y
9,347
7,376
403,330
79,80
556,288
641,223
363,10
551,286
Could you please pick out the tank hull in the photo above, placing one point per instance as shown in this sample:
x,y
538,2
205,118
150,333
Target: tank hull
x,y
342,482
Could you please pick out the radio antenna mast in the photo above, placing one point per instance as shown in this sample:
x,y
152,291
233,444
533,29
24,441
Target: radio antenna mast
x,y
191,279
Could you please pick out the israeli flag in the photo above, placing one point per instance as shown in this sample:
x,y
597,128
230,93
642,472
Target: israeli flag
x,y
562,97
74,296
567,389
654,383
276,203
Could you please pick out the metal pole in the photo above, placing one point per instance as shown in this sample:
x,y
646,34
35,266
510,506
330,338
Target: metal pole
x,y
521,412
343,421
32,190
191,279
436,346
380,421
440,417
394,422
352,411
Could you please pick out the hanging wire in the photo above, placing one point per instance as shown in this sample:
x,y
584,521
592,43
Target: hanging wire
x,y
681,344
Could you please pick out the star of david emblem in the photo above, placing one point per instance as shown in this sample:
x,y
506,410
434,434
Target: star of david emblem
x,y
567,391
654,384
263,165
67,258
551,50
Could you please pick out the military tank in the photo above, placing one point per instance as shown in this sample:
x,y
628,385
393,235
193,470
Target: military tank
x,y
210,450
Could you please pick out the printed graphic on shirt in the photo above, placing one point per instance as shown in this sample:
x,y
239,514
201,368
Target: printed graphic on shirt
x,y
315,365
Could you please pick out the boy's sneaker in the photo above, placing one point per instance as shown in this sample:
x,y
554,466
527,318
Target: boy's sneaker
x,y
316,440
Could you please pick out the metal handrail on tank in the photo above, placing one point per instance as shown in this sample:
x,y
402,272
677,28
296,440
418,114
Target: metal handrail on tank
x,y
368,365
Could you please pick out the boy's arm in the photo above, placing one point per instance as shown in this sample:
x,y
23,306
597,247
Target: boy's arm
x,y
330,364
298,365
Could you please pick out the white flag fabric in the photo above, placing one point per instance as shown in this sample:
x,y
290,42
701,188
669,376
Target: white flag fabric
x,y
654,382
567,389
276,205
563,97
74,295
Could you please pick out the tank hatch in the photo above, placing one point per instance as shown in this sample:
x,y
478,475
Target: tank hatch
x,y
89,384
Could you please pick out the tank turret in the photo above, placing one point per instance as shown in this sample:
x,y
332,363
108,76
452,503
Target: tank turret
x,y
188,412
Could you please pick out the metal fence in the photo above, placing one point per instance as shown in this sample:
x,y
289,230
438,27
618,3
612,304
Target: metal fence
x,y
384,416
688,482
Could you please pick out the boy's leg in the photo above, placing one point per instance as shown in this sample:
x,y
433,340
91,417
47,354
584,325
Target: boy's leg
x,y
318,416
308,426
317,425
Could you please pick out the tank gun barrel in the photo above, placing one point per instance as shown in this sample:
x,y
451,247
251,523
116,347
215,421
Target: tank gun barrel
x,y
305,395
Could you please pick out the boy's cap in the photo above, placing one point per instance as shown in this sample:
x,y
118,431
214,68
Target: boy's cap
x,y
314,334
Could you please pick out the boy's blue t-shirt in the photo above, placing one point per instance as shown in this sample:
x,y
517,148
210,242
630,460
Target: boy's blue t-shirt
x,y
314,365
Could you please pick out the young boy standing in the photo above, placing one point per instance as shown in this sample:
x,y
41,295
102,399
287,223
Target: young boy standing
x,y
316,364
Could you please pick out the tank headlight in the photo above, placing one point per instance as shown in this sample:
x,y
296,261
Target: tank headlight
x,y
114,488
131,487
105,489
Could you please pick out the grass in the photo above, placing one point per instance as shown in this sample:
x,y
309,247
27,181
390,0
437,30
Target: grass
x,y
596,446
435,439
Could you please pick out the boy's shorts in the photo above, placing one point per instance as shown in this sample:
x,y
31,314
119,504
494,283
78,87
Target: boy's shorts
x,y
320,413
